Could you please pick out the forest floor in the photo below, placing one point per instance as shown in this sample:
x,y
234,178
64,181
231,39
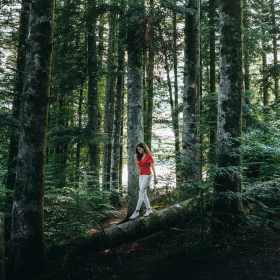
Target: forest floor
x,y
251,252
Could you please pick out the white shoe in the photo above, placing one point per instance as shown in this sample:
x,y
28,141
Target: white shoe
x,y
134,215
148,213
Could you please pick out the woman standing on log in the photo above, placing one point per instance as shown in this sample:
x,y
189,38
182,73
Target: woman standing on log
x,y
145,162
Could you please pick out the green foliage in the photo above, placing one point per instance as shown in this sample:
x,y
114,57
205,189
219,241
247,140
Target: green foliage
x,y
74,208
261,153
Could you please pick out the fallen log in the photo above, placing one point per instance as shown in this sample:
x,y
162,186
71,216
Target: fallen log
x,y
131,230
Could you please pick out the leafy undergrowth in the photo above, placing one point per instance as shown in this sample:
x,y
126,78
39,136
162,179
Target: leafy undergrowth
x,y
250,252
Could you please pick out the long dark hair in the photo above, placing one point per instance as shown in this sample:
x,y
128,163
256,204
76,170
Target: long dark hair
x,y
143,146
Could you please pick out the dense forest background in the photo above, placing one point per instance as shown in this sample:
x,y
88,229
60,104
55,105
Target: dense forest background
x,y
83,81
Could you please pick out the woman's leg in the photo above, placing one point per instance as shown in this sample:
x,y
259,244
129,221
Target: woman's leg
x,y
144,181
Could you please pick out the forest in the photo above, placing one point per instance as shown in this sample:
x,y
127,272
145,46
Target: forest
x,y
82,82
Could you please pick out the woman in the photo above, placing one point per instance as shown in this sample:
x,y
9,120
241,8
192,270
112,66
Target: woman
x,y
144,162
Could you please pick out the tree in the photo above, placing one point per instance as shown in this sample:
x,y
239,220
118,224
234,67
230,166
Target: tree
x,y
213,101
93,158
27,240
17,102
116,140
19,83
174,110
149,36
227,207
274,43
134,96
109,100
191,94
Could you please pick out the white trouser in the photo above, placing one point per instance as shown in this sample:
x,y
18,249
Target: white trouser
x,y
144,181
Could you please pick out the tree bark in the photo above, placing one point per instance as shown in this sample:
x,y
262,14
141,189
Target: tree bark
x,y
116,139
246,51
246,55
190,134
264,84
227,207
274,42
109,102
134,99
16,111
93,158
19,84
78,150
150,80
27,239
213,102
176,103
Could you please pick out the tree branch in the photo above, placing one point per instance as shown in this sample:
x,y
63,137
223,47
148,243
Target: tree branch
x,y
13,94
179,9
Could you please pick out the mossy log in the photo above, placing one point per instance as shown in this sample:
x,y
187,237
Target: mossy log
x,y
132,230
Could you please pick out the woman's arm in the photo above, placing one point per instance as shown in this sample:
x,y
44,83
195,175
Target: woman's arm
x,y
136,161
154,172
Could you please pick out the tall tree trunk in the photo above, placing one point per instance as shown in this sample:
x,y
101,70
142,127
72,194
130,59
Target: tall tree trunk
x,y
190,153
121,141
150,81
245,50
134,99
27,239
246,43
176,103
213,100
78,151
274,42
17,104
19,83
100,52
264,84
109,101
93,158
116,141
226,206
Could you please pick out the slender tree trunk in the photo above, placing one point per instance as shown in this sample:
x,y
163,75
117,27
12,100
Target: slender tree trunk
x,y
27,239
274,42
115,155
227,204
176,103
246,43
61,148
264,85
100,52
190,134
17,104
78,151
121,141
134,100
148,120
93,158
109,102
245,50
150,82
213,102
100,49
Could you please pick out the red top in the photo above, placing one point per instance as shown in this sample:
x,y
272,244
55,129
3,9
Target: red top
x,y
144,164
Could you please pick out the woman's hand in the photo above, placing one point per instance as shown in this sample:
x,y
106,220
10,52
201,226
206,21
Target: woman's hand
x,y
155,180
